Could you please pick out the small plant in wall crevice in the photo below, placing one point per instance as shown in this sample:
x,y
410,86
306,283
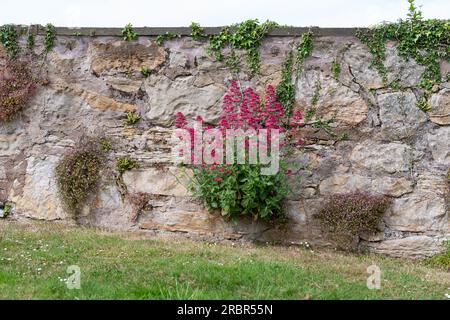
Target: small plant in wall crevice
x,y
125,163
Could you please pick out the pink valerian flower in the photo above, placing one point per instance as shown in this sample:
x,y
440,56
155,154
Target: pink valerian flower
x,y
218,179
180,120
245,111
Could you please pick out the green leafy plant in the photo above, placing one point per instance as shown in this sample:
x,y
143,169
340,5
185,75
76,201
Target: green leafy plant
x,y
9,38
105,144
320,123
30,41
5,209
128,33
425,41
241,189
125,163
309,114
346,216
286,88
146,72
423,104
304,48
335,69
78,174
316,95
131,118
49,37
197,31
247,36
17,87
166,36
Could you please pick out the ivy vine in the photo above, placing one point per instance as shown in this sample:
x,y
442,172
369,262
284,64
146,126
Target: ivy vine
x,y
425,41
166,36
304,48
49,37
247,36
8,38
286,88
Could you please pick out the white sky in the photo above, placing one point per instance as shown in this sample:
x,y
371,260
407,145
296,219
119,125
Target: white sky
x,y
172,13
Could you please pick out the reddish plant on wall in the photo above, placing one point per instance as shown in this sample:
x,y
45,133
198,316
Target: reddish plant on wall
x,y
17,86
346,216
241,189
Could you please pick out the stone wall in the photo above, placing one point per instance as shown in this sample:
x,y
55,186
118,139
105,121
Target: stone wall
x,y
390,146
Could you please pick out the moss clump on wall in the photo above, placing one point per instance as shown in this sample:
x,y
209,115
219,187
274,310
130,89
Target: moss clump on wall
x,y
78,174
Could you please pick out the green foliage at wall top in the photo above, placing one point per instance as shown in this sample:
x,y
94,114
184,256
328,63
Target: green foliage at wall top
x,y
425,41
166,36
128,33
49,37
8,38
245,36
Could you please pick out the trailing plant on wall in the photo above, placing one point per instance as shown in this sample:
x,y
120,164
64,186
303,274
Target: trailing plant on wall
x,y
9,38
17,86
78,174
166,36
247,36
286,87
49,37
425,41
346,216
304,48
240,189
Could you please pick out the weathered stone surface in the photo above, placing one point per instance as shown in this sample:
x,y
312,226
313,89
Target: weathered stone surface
x,y
348,182
104,209
335,100
156,181
439,144
196,222
423,210
411,247
94,99
399,115
167,97
440,107
357,61
123,57
386,157
38,199
407,72
124,84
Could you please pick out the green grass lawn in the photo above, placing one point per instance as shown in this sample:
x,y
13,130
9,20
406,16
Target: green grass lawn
x,y
34,260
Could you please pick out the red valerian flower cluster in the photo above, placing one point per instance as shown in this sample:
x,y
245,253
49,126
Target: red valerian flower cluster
x,y
240,189
244,110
